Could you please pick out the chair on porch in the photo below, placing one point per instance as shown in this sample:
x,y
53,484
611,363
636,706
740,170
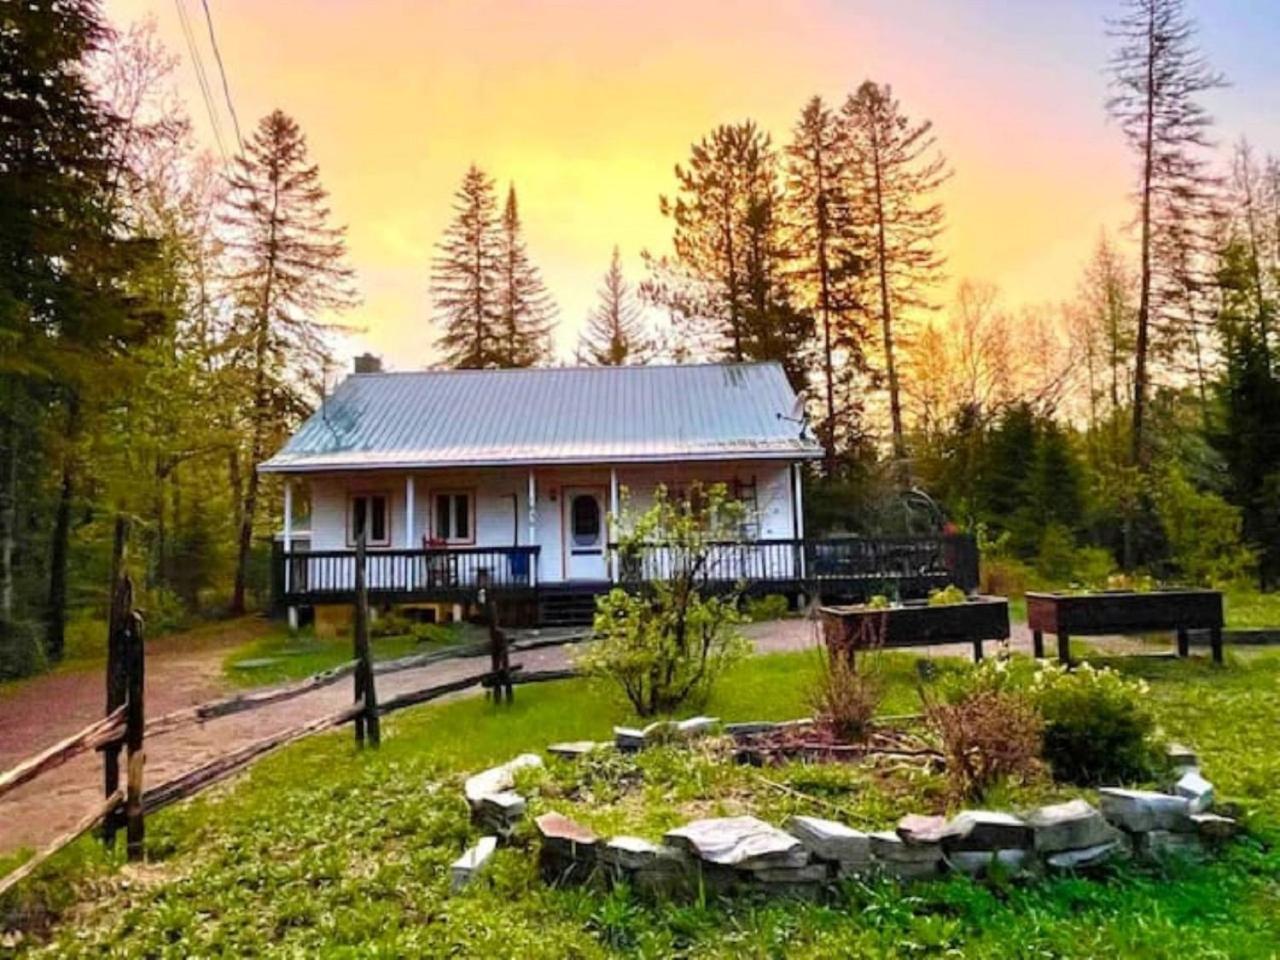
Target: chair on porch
x,y
441,565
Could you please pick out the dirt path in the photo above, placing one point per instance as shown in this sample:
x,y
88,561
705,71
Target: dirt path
x,y
50,708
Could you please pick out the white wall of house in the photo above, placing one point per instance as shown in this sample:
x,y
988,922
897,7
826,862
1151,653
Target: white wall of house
x,y
500,497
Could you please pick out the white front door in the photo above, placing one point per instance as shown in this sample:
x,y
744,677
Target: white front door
x,y
584,534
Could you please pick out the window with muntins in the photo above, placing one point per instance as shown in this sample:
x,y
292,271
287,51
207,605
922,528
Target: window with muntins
x,y
368,512
453,520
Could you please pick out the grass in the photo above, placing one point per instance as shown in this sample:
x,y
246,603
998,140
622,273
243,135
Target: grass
x,y
286,656
325,851
1247,609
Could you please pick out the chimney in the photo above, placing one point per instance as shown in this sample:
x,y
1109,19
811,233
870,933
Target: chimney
x,y
368,363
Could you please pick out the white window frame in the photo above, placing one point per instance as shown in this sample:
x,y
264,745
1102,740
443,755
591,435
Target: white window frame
x,y
453,495
369,496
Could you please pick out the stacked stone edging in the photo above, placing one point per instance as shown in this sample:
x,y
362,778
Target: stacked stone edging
x,y
806,853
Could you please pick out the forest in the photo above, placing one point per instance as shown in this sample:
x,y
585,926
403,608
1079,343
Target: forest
x,y
169,313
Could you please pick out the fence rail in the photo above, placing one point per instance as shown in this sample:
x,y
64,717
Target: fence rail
x,y
456,570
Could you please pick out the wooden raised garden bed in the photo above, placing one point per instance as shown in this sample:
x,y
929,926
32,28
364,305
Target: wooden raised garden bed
x,y
915,624
1122,611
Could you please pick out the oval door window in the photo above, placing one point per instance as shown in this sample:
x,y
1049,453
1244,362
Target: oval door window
x,y
586,520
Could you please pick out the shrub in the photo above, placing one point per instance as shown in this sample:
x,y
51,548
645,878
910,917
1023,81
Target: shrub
x,y
773,606
665,642
988,735
1098,728
391,624
846,694
1203,531
947,596
1003,577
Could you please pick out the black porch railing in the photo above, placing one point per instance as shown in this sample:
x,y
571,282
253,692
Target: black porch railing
x,y
460,571
834,566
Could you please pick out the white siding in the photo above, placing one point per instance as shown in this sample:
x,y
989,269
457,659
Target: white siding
x,y
493,489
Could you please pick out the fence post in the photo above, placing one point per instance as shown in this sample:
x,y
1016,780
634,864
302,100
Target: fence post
x,y
117,683
366,723
134,725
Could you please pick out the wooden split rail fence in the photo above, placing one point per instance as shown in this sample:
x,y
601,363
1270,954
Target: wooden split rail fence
x,y
124,730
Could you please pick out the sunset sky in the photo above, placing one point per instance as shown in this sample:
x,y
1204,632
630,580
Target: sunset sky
x,y
587,105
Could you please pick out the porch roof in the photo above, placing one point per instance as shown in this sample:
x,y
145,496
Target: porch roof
x,y
567,415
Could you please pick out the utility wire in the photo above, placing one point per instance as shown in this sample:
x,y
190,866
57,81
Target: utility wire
x,y
198,64
226,89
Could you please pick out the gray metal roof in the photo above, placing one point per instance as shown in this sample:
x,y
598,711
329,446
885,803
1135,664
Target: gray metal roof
x,y
452,418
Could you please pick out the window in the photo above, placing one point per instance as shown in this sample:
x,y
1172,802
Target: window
x,y
453,517
368,512
586,520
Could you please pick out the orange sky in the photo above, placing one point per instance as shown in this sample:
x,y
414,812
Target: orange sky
x,y
587,105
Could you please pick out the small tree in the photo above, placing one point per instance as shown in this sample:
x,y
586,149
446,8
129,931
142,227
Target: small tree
x,y
666,641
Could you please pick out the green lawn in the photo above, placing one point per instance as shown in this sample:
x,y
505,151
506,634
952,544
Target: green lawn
x,y
279,656
325,851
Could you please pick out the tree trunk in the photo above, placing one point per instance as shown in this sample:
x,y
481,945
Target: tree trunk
x,y
1139,454
60,549
8,512
886,319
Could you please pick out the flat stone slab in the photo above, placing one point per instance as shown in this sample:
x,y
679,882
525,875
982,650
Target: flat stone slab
x,y
1213,826
920,828
751,728
628,738
809,873
1141,810
1196,790
1181,756
499,778
1168,845
986,830
1086,858
888,847
636,853
831,840
697,726
467,866
745,843
506,806
1074,825
976,863
574,749
563,835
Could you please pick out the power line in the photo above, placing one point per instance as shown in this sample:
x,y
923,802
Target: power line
x,y
226,89
197,63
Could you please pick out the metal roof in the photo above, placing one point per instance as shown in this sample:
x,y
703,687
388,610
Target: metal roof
x,y
453,418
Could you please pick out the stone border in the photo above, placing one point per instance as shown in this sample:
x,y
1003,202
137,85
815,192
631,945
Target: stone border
x,y
736,853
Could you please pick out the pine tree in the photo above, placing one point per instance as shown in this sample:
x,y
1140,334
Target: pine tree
x,y
894,170
725,285
825,264
465,277
289,269
1157,76
615,333
526,311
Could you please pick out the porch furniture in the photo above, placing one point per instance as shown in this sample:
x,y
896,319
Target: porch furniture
x,y
1124,611
847,629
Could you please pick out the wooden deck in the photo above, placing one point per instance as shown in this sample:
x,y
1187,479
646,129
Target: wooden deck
x,y
837,568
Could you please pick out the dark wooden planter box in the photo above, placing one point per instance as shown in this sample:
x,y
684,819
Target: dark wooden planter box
x,y
917,625
1115,612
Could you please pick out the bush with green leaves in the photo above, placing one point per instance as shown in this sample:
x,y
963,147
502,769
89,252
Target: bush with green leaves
x,y
1098,727
772,606
665,641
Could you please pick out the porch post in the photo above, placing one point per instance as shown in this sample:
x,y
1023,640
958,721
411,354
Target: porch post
x,y
288,547
408,512
611,529
797,513
533,527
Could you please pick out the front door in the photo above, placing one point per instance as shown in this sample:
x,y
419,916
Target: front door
x,y
584,534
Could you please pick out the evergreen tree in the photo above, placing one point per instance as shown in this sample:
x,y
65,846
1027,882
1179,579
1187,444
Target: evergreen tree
x,y
825,264
1157,76
526,311
615,334
894,170
288,270
725,283
465,278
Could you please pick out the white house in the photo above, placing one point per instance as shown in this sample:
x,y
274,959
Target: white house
x,y
510,478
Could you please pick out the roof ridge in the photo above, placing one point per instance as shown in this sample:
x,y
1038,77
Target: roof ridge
x,y
584,368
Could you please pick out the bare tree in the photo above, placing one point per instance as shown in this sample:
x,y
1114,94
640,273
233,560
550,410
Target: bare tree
x,y
1157,77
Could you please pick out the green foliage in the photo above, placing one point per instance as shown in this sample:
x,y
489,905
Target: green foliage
x,y
946,596
1098,726
1203,532
666,641
21,649
878,601
772,606
847,693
